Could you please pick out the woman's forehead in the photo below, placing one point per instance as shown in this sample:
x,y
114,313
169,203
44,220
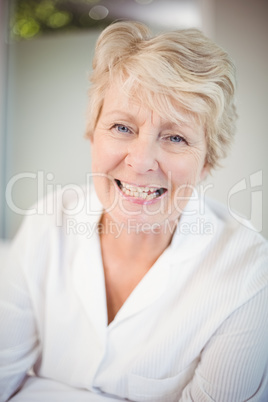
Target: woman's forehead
x,y
135,99
119,107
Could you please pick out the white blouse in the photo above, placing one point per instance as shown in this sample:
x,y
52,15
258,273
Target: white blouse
x,y
194,329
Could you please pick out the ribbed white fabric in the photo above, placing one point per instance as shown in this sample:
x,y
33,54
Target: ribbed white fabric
x,y
194,329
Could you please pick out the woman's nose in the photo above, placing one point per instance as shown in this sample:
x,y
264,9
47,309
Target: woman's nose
x,y
142,156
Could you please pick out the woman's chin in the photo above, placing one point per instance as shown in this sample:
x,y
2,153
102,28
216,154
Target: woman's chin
x,y
137,221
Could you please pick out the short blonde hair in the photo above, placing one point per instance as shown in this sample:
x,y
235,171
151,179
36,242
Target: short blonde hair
x,y
182,67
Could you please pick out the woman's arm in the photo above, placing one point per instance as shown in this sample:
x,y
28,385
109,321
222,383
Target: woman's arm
x,y
19,345
234,363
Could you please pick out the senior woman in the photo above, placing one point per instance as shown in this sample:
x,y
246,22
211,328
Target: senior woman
x,y
166,299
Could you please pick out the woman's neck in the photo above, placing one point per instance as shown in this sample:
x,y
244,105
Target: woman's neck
x,y
127,257
129,242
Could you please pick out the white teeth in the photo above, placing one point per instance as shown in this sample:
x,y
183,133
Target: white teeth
x,y
151,196
140,192
138,189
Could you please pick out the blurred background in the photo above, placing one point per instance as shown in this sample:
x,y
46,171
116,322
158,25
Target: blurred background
x,y
46,49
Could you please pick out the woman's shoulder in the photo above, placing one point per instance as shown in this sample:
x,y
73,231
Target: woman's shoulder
x,y
55,217
231,225
229,253
240,250
51,233
70,201
209,224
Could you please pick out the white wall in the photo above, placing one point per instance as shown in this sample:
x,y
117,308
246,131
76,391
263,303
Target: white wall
x,y
47,104
48,96
3,88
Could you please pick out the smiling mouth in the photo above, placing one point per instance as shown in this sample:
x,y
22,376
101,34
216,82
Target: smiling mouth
x,y
144,193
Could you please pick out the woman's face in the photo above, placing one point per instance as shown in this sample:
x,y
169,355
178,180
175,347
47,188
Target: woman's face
x,y
145,167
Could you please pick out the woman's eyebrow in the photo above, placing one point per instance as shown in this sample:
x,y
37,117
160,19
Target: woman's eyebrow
x,y
119,112
180,125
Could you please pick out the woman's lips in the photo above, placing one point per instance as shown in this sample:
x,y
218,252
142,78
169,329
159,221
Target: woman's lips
x,y
140,193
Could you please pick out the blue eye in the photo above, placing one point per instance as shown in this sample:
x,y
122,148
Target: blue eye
x,y
176,138
121,128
